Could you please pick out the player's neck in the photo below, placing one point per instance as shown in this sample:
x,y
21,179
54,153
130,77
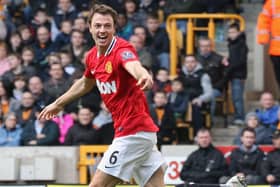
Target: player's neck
x,y
106,49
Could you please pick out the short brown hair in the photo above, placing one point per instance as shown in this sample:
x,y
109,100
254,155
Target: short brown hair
x,y
104,10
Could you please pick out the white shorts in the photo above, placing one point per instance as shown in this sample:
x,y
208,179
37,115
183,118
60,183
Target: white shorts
x,y
133,156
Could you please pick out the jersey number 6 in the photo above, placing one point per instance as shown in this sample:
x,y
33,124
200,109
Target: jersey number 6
x,y
113,158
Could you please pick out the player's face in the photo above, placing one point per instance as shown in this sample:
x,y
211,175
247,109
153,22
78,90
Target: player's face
x,y
102,29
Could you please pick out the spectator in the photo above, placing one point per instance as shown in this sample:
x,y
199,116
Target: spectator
x,y
268,32
142,33
19,86
63,38
144,55
206,164
10,132
40,132
64,121
43,45
41,18
103,123
17,69
177,99
82,132
198,88
7,102
125,28
163,117
4,62
133,15
57,83
67,63
159,41
80,23
237,69
246,160
271,167
268,113
15,42
35,86
149,6
26,35
27,56
65,10
26,112
162,82
263,134
77,48
212,64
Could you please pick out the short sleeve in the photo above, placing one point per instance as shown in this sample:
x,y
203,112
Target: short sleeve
x,y
127,55
87,72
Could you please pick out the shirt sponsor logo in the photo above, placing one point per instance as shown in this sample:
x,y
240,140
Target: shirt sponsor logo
x,y
106,87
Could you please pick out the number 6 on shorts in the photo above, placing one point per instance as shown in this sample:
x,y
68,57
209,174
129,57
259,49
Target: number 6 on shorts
x,y
113,158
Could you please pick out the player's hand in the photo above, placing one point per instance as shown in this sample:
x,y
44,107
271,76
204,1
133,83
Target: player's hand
x,y
50,111
146,82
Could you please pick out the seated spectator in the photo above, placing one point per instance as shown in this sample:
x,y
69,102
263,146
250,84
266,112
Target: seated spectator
x,y
80,24
67,63
177,99
212,63
15,42
17,69
7,102
103,123
57,83
198,88
35,86
82,132
10,132
246,160
41,18
144,55
263,134
19,86
163,117
133,15
77,48
42,46
26,35
28,57
205,165
271,165
65,10
64,121
159,41
162,82
26,112
4,62
40,132
63,38
141,32
268,113
124,28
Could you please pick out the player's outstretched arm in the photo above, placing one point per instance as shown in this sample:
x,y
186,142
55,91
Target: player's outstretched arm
x,y
144,79
79,88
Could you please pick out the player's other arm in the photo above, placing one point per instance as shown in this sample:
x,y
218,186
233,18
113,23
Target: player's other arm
x,y
78,89
144,79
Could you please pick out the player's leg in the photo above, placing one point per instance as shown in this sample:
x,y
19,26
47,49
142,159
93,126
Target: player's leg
x,y
101,179
157,179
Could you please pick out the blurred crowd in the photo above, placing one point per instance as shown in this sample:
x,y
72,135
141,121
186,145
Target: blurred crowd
x,y
43,45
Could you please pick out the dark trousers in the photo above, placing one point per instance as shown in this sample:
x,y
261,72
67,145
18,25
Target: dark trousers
x,y
276,66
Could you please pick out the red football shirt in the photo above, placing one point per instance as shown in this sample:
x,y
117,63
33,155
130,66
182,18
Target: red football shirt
x,y
118,89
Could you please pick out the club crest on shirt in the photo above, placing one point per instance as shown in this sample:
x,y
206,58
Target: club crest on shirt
x,y
109,67
126,55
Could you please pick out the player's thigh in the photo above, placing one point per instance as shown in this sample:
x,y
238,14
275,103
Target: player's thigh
x,y
101,179
157,179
